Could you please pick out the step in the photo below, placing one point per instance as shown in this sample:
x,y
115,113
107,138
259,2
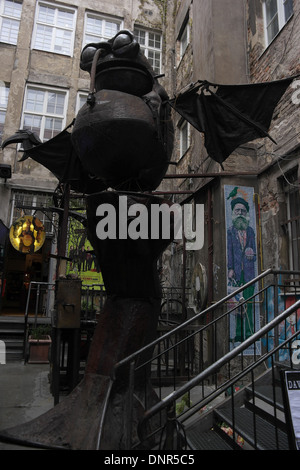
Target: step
x,y
14,355
205,440
11,326
244,426
13,343
265,393
12,320
9,332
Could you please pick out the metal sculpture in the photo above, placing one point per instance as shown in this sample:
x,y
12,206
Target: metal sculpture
x,y
123,137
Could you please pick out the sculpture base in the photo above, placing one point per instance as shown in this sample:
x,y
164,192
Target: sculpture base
x,y
95,414
92,417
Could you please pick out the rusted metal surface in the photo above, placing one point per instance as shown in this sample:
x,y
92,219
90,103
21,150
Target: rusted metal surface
x,y
68,304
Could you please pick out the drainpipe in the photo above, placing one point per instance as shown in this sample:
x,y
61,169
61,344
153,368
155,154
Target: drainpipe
x,y
210,249
184,279
63,234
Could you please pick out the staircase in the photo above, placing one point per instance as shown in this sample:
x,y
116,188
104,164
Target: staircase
x,y
12,334
258,420
218,398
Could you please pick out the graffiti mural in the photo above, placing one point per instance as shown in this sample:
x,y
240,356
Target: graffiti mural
x,y
83,262
241,244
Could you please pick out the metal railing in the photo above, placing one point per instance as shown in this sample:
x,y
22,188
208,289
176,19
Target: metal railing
x,y
38,303
92,300
209,361
41,300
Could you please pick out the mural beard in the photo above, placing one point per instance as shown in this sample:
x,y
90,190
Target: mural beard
x,y
240,222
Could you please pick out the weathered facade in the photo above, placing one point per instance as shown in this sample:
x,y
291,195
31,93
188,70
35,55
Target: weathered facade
x,y
236,42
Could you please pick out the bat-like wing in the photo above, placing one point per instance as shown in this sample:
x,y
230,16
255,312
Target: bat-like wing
x,y
58,155
230,115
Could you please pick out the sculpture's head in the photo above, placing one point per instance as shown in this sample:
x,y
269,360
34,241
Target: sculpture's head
x,y
124,132
119,65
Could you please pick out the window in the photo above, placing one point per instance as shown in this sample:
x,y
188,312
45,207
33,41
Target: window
x,y
292,196
4,90
276,13
81,100
54,29
44,111
32,200
10,15
98,28
151,44
184,39
184,130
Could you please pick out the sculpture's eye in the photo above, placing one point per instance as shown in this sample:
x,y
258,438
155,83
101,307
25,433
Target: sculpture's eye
x,y
89,51
88,54
125,44
123,39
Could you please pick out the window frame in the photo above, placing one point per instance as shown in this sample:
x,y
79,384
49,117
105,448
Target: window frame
x,y
282,21
183,43
291,189
3,105
105,19
44,114
184,127
12,18
54,28
34,199
80,100
146,48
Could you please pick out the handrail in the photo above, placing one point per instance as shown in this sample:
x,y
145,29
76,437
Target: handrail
x,y
38,283
220,362
133,356
29,291
244,372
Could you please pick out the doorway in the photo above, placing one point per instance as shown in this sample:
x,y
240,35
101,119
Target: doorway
x,y
19,270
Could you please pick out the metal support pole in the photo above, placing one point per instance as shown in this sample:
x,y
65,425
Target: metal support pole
x,y
37,301
171,427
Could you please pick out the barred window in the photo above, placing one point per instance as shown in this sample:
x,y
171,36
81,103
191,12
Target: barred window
x,y
25,203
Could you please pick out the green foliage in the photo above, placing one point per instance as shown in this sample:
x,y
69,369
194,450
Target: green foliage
x,y
40,331
185,402
87,306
